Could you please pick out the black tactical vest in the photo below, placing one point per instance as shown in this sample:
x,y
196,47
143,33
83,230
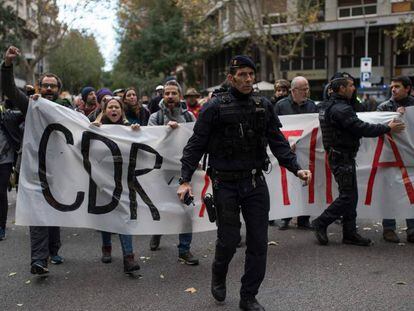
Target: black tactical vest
x,y
332,135
240,130
328,131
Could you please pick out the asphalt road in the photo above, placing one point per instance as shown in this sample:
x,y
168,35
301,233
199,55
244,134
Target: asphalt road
x,y
301,275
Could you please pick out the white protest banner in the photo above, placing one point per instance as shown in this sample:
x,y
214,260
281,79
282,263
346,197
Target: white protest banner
x,y
114,179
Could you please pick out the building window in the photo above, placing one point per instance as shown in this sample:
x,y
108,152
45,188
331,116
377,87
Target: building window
x,y
274,12
274,19
312,56
400,6
356,8
403,57
353,47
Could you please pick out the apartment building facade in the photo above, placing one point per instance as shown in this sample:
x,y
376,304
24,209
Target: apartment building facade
x,y
26,12
336,41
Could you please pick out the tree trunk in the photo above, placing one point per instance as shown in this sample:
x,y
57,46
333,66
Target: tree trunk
x,y
263,63
276,65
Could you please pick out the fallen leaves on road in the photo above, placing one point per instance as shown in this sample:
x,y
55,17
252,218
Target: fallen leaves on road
x,y
12,274
367,229
20,305
273,243
27,282
162,276
401,283
191,290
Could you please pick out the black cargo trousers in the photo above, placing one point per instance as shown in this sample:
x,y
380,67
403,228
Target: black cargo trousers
x,y
250,196
343,168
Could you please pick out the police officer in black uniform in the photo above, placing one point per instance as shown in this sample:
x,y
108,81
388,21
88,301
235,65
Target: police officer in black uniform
x,y
234,128
341,133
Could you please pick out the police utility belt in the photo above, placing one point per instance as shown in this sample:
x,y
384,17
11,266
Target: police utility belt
x,y
342,155
233,175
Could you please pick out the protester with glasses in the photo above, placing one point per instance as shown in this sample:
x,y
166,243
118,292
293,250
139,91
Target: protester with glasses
x,y
297,102
45,241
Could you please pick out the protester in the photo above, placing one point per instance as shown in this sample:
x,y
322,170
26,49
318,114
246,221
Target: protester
x,y
400,89
144,101
191,98
113,113
101,95
90,103
45,241
171,113
11,136
119,93
153,105
236,162
297,102
341,133
135,113
282,88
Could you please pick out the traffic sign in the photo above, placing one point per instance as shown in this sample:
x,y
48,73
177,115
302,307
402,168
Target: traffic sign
x,y
366,64
365,76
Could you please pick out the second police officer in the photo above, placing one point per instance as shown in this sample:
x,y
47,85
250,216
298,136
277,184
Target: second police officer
x,y
341,134
234,128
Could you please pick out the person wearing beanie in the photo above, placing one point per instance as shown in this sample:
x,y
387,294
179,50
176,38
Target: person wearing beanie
x,y
89,100
100,96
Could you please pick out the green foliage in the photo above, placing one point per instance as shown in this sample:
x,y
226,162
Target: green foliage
x,y
156,37
77,61
10,27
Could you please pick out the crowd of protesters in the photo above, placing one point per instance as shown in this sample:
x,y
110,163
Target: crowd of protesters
x,y
169,105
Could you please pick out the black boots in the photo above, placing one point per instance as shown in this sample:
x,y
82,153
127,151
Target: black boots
x,y
354,238
320,232
250,305
218,287
130,265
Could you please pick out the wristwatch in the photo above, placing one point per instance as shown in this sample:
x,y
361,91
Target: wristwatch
x,y
182,180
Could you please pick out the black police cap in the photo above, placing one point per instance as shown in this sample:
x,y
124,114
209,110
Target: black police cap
x,y
341,75
240,61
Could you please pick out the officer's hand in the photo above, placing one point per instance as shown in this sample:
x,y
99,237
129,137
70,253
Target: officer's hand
x,y
183,189
172,124
11,53
396,126
305,175
401,110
